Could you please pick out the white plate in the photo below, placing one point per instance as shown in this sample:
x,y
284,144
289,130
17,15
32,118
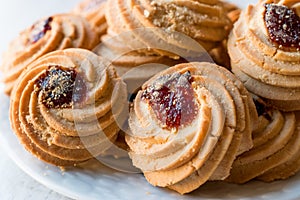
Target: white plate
x,y
100,182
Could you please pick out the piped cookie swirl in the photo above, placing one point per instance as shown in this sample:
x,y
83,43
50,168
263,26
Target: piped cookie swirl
x,y
52,33
264,52
188,124
275,153
66,107
204,21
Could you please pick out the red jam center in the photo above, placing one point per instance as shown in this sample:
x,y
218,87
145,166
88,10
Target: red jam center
x,y
283,25
172,99
61,88
40,29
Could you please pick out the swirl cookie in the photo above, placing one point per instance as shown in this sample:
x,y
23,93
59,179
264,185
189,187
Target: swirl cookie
x,y
264,51
287,168
188,124
94,12
204,21
275,151
66,107
48,34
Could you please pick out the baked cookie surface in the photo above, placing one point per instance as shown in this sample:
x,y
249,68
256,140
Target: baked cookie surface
x,y
264,52
65,107
52,33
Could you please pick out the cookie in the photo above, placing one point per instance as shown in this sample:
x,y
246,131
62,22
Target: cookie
x,y
48,34
286,169
273,141
67,105
205,22
151,136
264,51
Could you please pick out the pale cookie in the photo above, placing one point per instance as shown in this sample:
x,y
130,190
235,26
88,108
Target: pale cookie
x,y
160,143
48,34
67,106
205,22
285,170
264,50
274,145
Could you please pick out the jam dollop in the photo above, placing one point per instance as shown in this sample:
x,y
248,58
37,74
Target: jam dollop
x,y
39,29
172,99
61,88
283,25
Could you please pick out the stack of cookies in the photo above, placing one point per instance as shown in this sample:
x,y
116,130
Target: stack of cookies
x,y
188,124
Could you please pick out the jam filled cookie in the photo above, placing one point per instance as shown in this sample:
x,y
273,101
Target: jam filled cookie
x,y
94,12
66,107
188,124
52,33
264,48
